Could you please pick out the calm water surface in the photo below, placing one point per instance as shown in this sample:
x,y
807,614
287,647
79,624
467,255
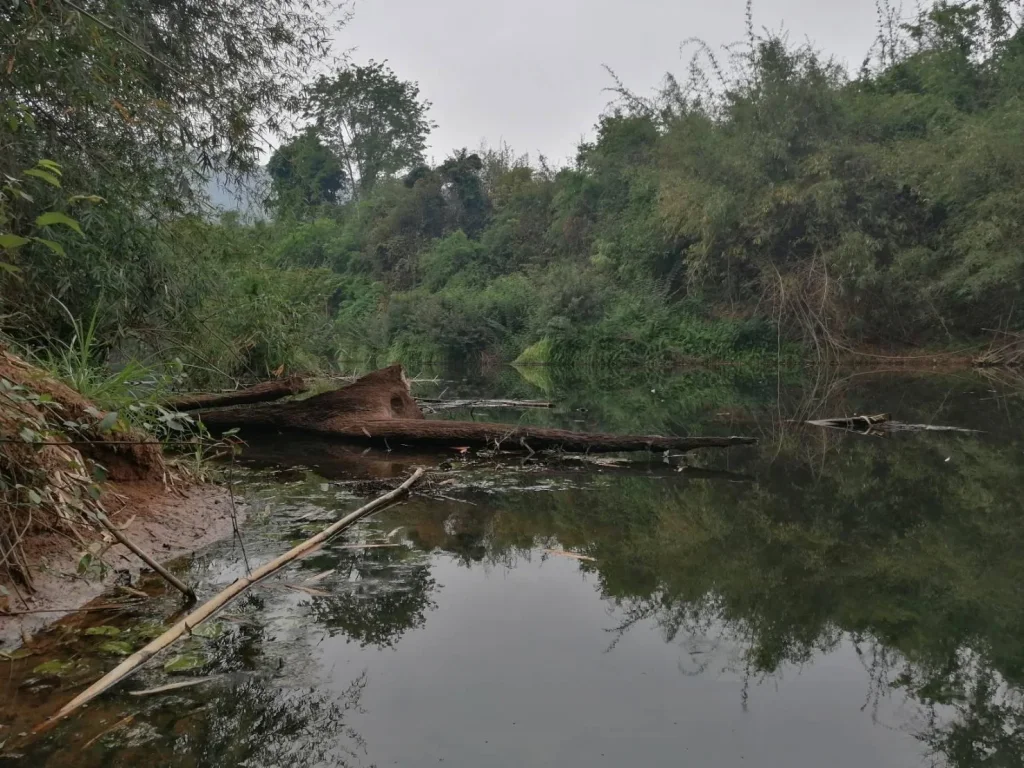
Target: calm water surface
x,y
822,599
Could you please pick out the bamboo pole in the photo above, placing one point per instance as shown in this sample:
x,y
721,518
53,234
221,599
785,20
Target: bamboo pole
x,y
209,608
169,577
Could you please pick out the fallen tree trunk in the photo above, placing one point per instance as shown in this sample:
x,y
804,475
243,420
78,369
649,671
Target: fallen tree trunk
x,y
379,409
507,437
263,392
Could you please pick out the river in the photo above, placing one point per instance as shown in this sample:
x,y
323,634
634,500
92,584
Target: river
x,y
823,598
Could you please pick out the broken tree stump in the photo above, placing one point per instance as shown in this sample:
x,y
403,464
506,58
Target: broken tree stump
x,y
265,391
379,409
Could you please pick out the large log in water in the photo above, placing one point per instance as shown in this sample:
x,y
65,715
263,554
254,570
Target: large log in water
x,y
378,408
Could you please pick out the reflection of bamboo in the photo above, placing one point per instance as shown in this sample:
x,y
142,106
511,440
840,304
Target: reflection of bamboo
x,y
210,607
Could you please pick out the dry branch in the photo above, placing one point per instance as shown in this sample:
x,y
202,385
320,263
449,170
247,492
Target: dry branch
x,y
222,599
167,576
447,405
263,392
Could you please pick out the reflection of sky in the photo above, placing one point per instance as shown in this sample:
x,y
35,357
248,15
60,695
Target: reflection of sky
x,y
513,668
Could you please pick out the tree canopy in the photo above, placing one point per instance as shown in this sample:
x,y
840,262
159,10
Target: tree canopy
x,y
375,122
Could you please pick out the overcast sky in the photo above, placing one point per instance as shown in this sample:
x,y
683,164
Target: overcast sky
x,y
530,72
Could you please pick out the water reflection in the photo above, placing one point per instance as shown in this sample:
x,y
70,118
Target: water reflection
x,y
253,722
896,561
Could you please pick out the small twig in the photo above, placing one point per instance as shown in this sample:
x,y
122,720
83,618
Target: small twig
x,y
115,726
169,577
175,686
573,555
449,498
135,592
234,517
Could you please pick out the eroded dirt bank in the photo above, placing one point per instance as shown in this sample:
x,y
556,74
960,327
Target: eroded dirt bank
x,y
168,523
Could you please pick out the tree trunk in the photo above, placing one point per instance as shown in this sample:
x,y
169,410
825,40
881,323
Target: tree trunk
x,y
379,409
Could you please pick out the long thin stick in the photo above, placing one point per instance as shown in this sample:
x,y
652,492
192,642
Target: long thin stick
x,y
87,609
210,607
169,577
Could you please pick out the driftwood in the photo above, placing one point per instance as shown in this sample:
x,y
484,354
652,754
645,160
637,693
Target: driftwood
x,y
209,608
263,392
881,424
448,405
858,423
379,409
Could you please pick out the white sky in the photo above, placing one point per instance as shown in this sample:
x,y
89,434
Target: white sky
x,y
530,72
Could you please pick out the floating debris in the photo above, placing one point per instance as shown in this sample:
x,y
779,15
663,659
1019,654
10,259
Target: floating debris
x,y
880,424
573,555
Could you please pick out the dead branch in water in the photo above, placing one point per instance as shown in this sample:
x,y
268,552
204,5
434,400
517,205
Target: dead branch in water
x,y
175,686
1009,353
881,424
167,576
223,598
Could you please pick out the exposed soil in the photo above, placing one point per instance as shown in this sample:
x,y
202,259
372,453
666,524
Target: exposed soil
x,y
167,523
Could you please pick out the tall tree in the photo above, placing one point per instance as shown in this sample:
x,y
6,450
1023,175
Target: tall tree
x,y
374,121
304,173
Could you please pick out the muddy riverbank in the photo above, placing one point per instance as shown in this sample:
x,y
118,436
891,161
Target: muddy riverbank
x,y
167,522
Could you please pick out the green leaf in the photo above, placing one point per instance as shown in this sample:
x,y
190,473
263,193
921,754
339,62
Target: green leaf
x,y
54,667
10,242
116,648
108,422
46,176
9,268
52,245
103,631
21,653
187,662
50,218
149,630
49,165
34,497
209,631
28,435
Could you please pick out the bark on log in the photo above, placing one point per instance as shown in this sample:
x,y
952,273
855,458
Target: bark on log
x,y
263,392
383,394
379,409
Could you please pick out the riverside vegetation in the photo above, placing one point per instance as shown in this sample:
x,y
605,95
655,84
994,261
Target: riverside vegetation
x,y
767,201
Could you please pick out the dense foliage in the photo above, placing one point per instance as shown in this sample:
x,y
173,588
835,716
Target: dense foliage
x,y
767,197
